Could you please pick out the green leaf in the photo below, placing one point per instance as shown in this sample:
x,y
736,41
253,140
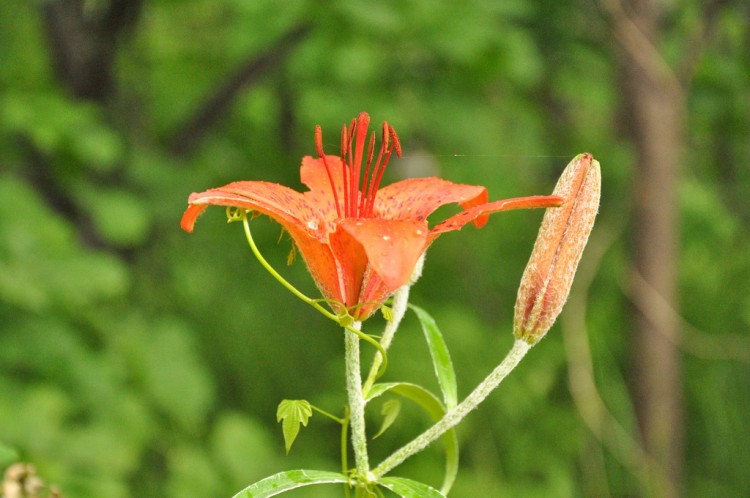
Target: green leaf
x,y
291,413
441,359
390,411
432,405
406,488
288,480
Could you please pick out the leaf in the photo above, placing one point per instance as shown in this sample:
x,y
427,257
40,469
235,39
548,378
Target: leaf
x,y
387,312
390,411
432,405
288,480
407,488
291,413
441,359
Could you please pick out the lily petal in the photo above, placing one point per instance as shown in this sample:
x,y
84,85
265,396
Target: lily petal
x,y
416,198
456,222
392,246
283,204
292,210
315,176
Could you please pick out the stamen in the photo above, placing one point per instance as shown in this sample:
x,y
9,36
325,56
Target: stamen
x,y
386,148
345,148
396,141
322,155
366,176
362,124
375,171
319,141
360,191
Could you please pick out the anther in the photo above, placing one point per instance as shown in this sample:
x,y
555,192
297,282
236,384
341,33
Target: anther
x,y
366,177
396,141
319,141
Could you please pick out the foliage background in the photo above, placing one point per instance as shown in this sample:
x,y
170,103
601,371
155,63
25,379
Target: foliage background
x,y
136,360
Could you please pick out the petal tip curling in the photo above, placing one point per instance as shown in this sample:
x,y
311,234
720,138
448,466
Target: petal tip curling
x,y
191,214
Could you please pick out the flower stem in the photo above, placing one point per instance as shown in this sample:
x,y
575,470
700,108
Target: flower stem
x,y
454,416
344,447
356,401
400,304
277,276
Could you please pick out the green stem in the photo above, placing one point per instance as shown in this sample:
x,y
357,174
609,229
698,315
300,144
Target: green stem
x,y
344,452
277,276
312,302
375,344
454,416
400,304
329,415
356,401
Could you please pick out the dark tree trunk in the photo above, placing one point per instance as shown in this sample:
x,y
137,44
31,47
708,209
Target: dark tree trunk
x,y
83,43
218,104
654,105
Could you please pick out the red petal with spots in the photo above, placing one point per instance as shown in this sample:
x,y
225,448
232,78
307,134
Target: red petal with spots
x,y
376,257
285,205
457,221
416,198
352,263
392,246
321,196
294,211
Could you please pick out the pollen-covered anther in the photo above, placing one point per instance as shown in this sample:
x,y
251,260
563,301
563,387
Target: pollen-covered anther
x,y
319,141
386,134
344,142
396,141
366,176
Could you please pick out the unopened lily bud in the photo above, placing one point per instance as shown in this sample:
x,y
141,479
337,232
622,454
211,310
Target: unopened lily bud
x,y
546,282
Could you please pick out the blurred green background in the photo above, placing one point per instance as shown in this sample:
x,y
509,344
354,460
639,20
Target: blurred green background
x,y
137,360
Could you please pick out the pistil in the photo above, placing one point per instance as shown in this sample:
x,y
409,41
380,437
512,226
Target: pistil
x,y
359,190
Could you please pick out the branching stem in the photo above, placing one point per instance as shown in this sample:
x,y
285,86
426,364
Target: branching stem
x,y
454,416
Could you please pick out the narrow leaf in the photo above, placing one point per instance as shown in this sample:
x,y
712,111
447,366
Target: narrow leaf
x,y
407,488
432,405
390,411
291,413
288,480
441,359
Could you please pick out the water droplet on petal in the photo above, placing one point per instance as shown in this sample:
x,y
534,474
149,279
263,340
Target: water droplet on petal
x,y
312,225
386,237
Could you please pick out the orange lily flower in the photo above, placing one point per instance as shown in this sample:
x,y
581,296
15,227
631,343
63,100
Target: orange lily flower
x,y
360,242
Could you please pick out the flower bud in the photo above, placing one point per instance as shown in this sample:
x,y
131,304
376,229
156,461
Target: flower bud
x,y
549,274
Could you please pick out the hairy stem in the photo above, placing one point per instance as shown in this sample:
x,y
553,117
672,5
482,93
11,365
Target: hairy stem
x,y
356,400
454,416
400,304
